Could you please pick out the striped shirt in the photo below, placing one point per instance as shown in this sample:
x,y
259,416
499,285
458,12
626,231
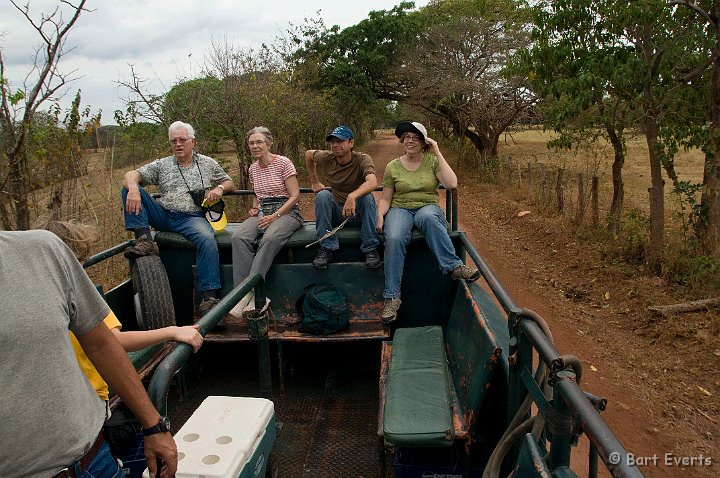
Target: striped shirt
x,y
269,181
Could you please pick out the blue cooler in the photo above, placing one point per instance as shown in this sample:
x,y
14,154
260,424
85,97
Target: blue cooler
x,y
226,437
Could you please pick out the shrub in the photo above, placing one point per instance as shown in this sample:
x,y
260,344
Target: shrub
x,y
686,266
631,244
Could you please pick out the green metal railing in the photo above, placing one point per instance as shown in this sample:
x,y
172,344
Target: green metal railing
x,y
568,410
181,352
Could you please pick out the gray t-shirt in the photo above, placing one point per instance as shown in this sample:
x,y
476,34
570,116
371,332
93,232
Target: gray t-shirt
x,y
175,181
49,412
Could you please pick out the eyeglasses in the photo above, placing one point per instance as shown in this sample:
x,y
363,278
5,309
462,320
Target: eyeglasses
x,y
256,143
411,137
179,140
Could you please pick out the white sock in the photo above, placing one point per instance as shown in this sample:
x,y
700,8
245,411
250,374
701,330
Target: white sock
x,y
242,305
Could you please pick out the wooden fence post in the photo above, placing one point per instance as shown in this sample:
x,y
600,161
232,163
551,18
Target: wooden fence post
x,y
581,200
559,189
519,168
595,201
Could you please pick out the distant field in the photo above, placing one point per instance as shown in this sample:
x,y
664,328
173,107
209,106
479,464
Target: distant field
x,y
529,146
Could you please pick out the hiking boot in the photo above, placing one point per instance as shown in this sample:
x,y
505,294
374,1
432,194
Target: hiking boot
x,y
323,258
144,246
465,272
207,304
372,259
390,310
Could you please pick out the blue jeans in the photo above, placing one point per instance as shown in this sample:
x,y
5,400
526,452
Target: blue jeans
x,y
328,214
399,223
104,465
193,226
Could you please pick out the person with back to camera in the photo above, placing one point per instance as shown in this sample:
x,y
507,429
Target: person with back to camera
x,y
274,216
185,179
410,198
51,416
79,238
351,177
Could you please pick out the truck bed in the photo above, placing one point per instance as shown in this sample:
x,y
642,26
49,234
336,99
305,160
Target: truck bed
x,y
328,413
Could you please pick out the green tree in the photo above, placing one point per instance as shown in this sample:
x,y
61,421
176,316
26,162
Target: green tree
x,y
196,102
457,69
54,153
707,14
356,66
615,57
447,60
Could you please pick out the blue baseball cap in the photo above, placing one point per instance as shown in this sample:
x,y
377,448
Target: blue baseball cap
x,y
341,132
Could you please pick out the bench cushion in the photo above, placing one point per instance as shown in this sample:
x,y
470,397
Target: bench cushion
x,y
418,403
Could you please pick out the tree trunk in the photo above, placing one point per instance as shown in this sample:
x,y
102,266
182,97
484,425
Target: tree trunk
x,y
618,186
19,191
494,140
657,192
708,231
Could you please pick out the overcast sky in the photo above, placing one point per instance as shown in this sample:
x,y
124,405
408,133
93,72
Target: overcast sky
x,y
163,40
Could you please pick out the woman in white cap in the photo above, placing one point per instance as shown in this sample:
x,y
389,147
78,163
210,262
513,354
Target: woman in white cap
x,y
274,216
410,198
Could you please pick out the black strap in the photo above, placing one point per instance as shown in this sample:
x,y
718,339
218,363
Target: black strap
x,y
202,183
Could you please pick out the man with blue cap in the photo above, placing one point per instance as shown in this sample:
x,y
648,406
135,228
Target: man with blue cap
x,y
351,177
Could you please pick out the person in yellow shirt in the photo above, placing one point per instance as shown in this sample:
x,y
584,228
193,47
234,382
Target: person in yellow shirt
x,y
80,238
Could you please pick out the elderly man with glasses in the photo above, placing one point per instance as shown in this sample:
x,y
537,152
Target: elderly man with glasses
x,y
185,179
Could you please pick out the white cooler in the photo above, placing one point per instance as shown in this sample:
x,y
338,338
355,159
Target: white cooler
x,y
226,437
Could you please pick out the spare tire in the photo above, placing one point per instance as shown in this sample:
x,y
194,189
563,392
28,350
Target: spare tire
x,y
153,299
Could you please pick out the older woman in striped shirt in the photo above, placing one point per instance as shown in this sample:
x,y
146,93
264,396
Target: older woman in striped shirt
x,y
275,213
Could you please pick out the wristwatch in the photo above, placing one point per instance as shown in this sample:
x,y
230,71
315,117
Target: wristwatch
x,y
161,427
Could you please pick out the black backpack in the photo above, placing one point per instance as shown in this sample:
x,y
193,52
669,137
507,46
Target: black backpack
x,y
323,310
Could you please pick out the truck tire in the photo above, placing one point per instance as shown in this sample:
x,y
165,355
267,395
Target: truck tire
x,y
153,299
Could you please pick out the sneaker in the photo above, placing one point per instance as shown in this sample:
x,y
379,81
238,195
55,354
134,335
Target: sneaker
x,y
372,259
246,302
390,310
465,272
144,246
324,256
207,304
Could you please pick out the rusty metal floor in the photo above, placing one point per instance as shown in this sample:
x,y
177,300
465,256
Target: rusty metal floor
x,y
328,411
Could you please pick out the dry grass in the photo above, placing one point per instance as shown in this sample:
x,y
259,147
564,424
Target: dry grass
x,y
530,146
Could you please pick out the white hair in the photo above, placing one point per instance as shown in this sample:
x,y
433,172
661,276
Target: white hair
x,y
180,125
263,131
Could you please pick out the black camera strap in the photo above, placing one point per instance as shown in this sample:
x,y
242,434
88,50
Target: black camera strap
x,y
202,183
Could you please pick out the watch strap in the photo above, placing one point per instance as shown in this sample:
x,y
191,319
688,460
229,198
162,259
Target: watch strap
x,y
162,426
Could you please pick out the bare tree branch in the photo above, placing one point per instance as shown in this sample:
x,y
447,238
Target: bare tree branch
x,y
151,102
52,30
